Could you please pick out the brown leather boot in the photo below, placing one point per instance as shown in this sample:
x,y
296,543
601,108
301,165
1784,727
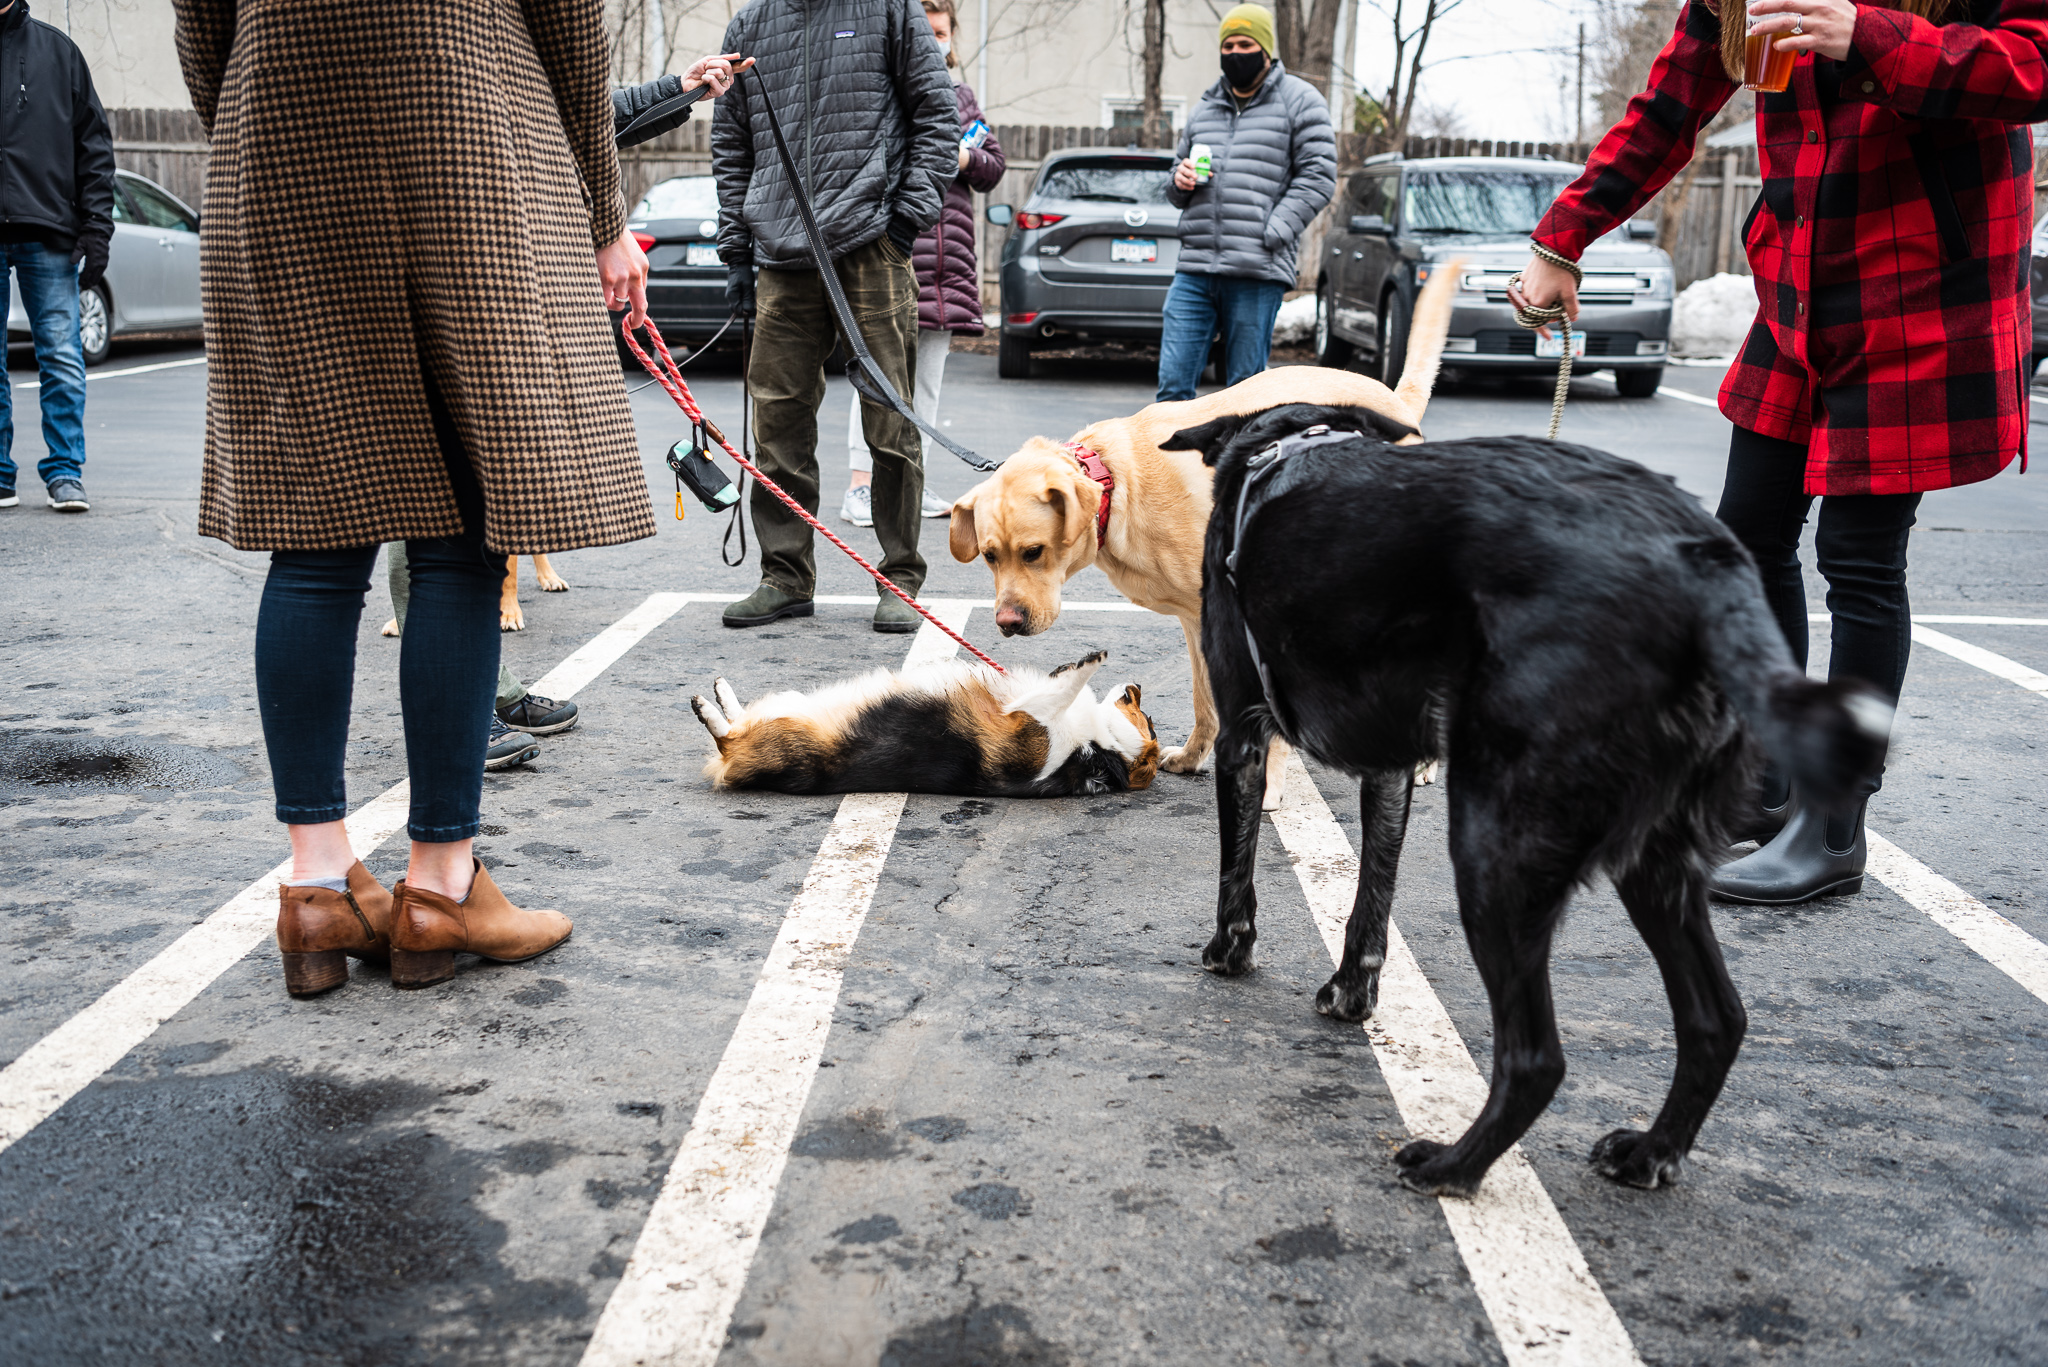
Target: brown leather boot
x,y
428,930
318,927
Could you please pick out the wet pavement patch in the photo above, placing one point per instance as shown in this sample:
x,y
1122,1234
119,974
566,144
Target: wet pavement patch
x,y
998,1335
46,759
860,1137
258,1216
993,1200
872,1230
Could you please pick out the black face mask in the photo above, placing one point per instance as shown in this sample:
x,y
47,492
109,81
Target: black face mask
x,y
1243,69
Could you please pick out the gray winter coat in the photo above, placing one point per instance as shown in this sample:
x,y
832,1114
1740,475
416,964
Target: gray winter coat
x,y
864,101
1274,167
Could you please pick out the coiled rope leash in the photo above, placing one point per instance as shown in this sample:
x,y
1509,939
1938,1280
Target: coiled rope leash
x,y
1531,317
671,379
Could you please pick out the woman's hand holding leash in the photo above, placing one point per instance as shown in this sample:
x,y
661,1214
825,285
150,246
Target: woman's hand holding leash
x,y
622,269
1544,285
1824,27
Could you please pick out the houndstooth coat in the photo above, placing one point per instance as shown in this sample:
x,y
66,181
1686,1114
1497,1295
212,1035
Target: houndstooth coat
x,y
407,187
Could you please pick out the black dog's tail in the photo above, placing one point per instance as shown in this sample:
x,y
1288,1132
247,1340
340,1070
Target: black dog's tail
x,y
1829,738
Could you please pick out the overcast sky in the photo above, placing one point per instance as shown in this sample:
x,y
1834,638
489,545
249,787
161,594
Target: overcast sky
x,y
1495,64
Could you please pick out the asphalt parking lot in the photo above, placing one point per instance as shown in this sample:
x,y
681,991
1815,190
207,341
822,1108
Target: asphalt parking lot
x,y
929,1082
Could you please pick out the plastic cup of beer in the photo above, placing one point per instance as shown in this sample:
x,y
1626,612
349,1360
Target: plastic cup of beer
x,y
1765,66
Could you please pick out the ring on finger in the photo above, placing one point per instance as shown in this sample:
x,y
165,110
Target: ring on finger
x,y
1798,26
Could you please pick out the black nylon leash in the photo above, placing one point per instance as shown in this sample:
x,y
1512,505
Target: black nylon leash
x,y
862,368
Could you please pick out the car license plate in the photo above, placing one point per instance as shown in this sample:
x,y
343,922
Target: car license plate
x,y
1134,249
1553,345
701,254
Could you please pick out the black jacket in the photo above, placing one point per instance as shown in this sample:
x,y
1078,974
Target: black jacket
x,y
863,97
631,103
56,152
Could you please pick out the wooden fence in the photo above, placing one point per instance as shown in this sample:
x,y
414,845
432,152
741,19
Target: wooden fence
x,y
169,147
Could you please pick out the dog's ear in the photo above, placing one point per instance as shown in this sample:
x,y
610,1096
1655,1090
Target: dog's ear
x,y
1074,498
1133,695
1208,438
960,537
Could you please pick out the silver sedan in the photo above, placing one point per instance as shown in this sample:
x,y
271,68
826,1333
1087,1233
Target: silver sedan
x,y
152,281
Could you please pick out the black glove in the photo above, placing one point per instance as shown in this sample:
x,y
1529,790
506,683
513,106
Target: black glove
x,y
902,233
91,248
739,290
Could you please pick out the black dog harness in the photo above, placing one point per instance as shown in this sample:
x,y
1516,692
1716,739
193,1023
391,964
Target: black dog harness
x,y
1260,469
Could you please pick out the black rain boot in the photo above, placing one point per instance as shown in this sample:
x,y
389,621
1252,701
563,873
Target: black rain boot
x,y
1767,816
1818,854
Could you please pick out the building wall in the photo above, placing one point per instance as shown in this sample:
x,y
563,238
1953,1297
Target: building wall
x,y
1064,62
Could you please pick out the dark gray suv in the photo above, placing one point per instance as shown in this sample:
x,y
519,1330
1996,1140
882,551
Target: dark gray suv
x,y
1397,220
1090,255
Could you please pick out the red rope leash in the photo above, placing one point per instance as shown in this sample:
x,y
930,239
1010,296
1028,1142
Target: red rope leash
x,y
672,381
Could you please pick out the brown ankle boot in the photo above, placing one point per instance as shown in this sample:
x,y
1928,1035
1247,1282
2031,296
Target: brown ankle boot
x,y
428,930
318,927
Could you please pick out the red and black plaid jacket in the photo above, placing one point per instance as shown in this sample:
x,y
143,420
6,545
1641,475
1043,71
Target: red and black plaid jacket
x,y
1890,242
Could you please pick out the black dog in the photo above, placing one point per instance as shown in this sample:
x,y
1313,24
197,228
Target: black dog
x,y
1581,643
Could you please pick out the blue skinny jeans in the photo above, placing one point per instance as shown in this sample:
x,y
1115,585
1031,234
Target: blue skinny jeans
x,y
306,632
1196,306
49,295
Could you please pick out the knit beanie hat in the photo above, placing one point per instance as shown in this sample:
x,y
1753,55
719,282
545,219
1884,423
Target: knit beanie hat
x,y
1254,22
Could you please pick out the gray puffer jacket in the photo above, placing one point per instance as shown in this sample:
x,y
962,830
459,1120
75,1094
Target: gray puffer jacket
x,y
864,101
1274,166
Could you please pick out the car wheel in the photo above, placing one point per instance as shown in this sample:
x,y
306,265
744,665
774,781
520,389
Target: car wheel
x,y
1331,350
95,324
1638,384
1013,357
1393,338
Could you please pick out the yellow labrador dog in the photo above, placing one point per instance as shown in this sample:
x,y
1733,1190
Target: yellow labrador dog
x,y
1111,497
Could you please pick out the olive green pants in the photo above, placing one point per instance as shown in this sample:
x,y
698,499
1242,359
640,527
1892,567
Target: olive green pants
x,y
794,332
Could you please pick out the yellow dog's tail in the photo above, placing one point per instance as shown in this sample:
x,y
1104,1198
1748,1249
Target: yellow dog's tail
x,y
1426,339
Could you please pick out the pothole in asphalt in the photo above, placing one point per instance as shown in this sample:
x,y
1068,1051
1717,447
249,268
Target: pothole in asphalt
x,y
41,759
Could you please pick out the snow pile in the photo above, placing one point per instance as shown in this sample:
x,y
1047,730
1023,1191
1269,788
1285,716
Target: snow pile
x,y
1712,316
1296,322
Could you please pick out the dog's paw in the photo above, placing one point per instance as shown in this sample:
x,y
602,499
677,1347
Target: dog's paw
x,y
550,582
1182,760
1349,1001
1636,1159
1424,1169
1229,953
511,619
1425,773
390,628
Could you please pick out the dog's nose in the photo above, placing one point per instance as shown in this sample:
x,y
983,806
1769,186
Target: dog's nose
x,y
1012,620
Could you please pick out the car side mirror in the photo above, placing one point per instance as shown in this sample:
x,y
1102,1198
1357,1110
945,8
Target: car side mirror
x,y
1370,223
1002,215
1641,230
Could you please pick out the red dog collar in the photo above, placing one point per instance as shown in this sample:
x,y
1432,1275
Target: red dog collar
x,y
1093,466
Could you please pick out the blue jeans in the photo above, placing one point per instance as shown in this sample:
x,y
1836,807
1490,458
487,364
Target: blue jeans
x,y
1195,305
306,633
49,293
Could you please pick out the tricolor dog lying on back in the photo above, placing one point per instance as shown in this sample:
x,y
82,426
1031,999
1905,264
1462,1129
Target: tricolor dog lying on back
x,y
952,727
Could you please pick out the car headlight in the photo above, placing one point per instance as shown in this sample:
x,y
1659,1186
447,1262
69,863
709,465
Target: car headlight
x,y
1660,282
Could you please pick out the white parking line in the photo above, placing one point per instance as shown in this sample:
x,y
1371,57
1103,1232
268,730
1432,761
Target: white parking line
x,y
1545,1306
1668,392
2033,680
688,1268
2009,949
91,375
62,1063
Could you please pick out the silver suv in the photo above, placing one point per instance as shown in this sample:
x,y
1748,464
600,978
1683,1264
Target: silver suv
x,y
1090,255
1396,221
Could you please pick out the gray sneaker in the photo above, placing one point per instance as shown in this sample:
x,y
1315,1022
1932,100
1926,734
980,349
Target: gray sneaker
x,y
507,747
858,507
68,496
935,506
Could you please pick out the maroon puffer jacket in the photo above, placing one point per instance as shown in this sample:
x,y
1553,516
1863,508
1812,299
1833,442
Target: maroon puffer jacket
x,y
948,276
